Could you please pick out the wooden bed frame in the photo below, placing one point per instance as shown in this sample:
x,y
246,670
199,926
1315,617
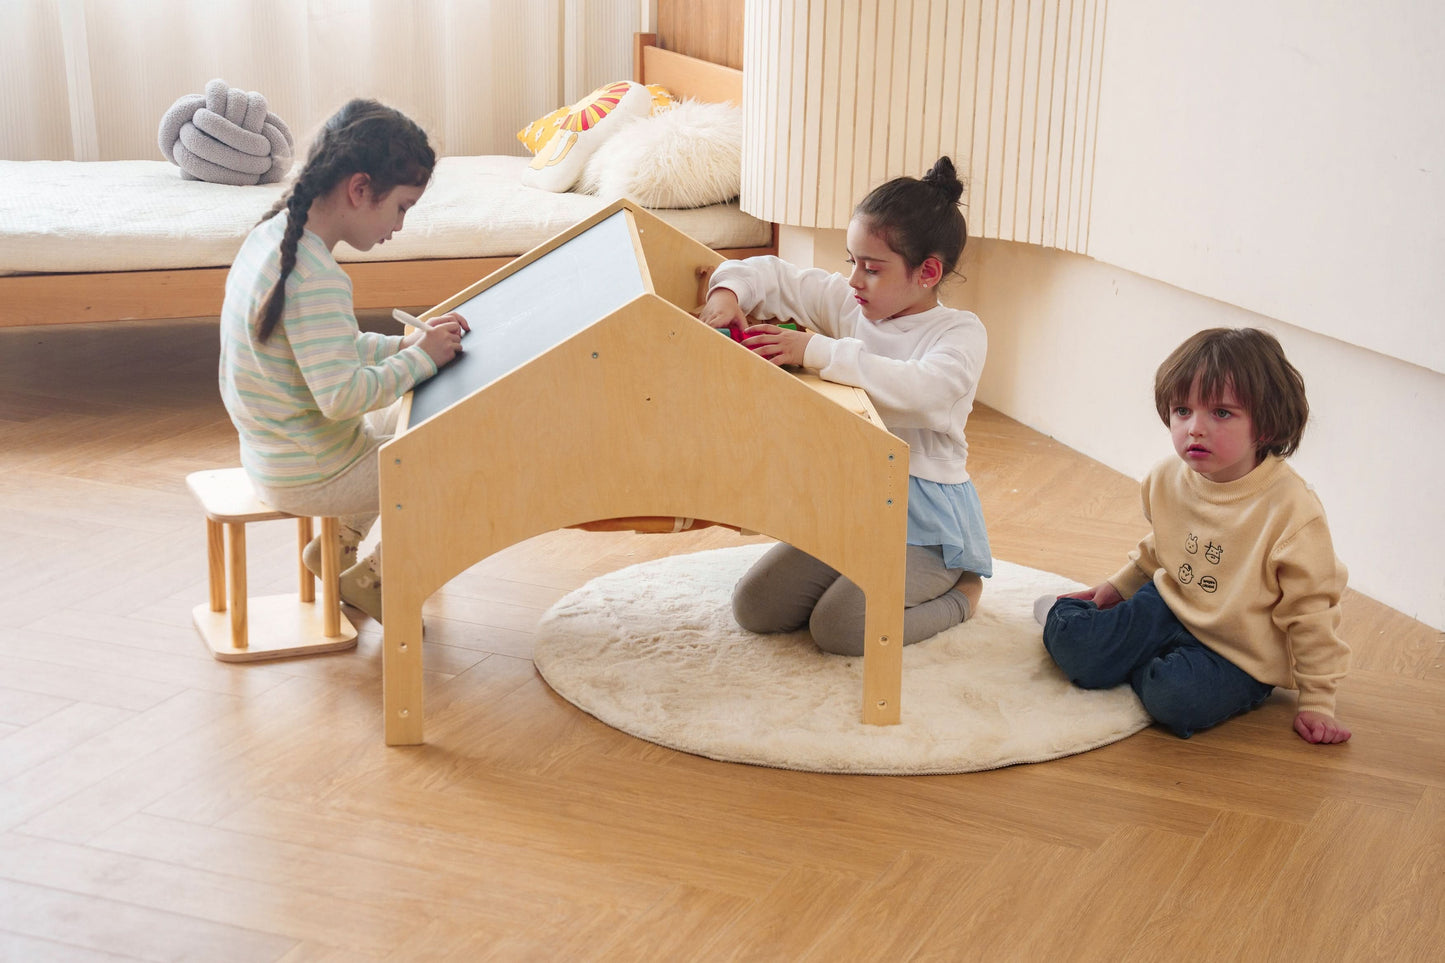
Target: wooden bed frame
x,y
33,299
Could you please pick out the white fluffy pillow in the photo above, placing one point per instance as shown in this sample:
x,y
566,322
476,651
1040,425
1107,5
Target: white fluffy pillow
x,y
688,156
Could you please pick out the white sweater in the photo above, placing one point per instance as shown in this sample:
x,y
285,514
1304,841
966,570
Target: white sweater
x,y
921,371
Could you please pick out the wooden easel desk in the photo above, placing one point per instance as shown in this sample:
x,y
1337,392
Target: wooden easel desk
x,y
607,400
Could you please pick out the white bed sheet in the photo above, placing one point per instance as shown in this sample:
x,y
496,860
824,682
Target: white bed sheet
x,y
76,216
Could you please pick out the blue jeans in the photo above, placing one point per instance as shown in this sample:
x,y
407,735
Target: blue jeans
x,y
1185,686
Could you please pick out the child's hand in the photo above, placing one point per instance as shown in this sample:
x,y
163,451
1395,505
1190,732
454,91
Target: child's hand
x,y
418,331
453,317
778,345
1320,729
443,340
1103,595
722,310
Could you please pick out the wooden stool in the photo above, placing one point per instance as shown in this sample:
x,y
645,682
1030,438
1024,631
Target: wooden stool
x,y
285,624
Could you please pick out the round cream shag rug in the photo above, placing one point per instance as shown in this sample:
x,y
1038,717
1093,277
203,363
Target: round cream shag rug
x,y
653,650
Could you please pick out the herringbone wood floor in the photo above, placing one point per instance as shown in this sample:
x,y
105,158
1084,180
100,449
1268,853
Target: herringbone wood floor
x,y
156,804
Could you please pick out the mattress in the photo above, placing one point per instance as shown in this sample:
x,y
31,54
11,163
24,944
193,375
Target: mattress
x,y
77,216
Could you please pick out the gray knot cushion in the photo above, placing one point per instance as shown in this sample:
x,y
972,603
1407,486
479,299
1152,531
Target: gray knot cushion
x,y
226,136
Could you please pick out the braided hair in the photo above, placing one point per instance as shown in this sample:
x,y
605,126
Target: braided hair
x,y
919,219
363,137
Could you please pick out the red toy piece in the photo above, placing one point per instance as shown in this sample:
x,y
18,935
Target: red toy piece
x,y
734,330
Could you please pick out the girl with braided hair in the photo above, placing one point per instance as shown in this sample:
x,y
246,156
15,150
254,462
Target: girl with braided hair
x,y
881,328
311,395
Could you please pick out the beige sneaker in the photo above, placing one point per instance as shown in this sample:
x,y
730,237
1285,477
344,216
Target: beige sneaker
x,y
361,585
311,554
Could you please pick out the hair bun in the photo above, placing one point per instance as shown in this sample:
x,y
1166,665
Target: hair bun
x,y
944,178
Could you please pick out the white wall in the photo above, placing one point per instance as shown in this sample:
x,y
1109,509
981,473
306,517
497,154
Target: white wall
x,y
1073,345
1287,157
1276,165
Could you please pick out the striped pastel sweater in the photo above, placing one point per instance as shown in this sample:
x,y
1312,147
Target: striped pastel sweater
x,y
297,400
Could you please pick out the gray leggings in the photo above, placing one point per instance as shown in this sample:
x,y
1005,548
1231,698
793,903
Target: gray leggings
x,y
787,589
354,496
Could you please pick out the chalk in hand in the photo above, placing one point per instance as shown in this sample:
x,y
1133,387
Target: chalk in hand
x,y
416,322
405,318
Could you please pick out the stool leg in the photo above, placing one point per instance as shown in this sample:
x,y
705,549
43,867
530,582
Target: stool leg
x,y
331,575
306,587
216,564
236,580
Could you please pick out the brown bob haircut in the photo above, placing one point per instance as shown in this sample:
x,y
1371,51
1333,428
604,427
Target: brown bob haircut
x,y
1251,363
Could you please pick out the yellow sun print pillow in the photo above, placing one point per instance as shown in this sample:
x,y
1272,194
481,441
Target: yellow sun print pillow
x,y
565,138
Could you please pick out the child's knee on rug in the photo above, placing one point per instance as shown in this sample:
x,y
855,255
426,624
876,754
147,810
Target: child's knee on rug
x,y
752,611
780,590
838,621
970,586
1072,643
759,606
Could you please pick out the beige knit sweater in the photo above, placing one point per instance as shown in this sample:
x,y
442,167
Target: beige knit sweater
x,y
1249,568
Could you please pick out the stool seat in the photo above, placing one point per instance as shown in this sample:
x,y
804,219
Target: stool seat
x,y
241,629
226,495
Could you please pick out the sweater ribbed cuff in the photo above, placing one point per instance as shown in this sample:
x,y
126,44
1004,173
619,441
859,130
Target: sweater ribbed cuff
x,y
1317,702
1128,580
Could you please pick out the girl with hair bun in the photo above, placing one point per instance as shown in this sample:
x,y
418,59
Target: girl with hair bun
x,y
307,390
881,328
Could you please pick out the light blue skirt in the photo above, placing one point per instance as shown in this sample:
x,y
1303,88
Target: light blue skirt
x,y
950,517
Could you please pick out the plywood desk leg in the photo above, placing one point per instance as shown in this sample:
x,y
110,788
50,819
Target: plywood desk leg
x,y
401,678
883,662
236,580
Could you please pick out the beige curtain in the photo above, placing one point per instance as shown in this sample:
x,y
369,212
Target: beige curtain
x,y
90,79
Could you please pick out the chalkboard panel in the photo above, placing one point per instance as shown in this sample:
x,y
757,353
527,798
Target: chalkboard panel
x,y
570,287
